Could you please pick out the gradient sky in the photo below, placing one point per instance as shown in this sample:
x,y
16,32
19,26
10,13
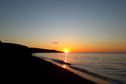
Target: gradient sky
x,y
80,25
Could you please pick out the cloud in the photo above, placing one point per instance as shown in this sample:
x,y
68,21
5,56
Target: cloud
x,y
55,42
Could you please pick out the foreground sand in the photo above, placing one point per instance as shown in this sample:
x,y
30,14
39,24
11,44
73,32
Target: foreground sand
x,y
22,68
48,72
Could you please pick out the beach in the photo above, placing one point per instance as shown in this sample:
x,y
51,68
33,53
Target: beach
x,y
21,67
49,72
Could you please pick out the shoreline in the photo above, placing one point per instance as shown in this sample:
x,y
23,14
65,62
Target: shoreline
x,y
61,75
21,67
99,79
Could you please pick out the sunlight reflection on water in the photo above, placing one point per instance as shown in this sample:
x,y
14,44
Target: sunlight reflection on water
x,y
110,65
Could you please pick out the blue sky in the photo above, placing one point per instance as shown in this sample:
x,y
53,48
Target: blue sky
x,y
86,23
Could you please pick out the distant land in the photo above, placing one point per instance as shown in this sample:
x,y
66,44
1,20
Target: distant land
x,y
40,50
32,50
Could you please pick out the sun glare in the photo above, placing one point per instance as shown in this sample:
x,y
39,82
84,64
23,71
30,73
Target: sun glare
x,y
64,66
66,50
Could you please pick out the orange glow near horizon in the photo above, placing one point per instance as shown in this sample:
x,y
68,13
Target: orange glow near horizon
x,y
83,48
66,50
79,47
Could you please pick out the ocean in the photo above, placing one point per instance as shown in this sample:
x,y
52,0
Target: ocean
x,y
108,65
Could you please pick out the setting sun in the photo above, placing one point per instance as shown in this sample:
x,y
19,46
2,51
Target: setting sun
x,y
66,50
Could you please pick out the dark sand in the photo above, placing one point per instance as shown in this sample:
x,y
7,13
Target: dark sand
x,y
22,68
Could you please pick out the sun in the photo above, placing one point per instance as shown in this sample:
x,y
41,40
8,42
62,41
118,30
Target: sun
x,y
66,50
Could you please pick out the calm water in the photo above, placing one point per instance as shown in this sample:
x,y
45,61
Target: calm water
x,y
109,65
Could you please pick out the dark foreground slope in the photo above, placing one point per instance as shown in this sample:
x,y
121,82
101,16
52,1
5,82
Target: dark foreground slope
x,y
22,68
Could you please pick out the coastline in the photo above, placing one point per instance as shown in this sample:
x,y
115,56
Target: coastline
x,y
98,79
21,67
56,74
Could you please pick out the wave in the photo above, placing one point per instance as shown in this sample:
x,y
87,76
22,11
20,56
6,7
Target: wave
x,y
57,60
112,81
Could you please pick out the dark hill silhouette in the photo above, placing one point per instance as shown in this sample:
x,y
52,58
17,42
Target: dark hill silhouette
x,y
20,67
39,50
16,47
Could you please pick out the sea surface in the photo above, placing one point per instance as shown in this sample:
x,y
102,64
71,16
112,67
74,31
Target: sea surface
x,y
109,65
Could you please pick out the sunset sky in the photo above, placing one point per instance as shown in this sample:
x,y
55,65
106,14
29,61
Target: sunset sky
x,y
79,25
